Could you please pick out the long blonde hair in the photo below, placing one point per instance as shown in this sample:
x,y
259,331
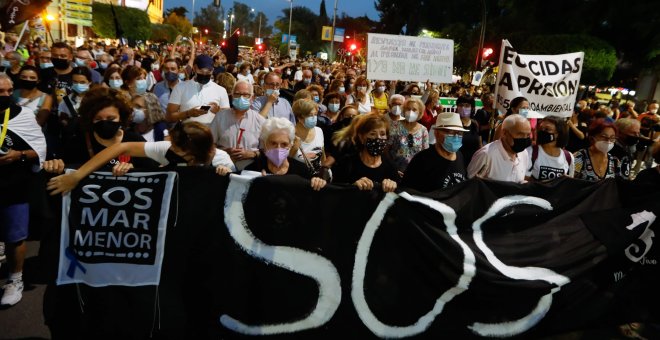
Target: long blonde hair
x,y
360,125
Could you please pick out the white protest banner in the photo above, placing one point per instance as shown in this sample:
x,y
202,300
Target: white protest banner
x,y
398,57
113,229
549,82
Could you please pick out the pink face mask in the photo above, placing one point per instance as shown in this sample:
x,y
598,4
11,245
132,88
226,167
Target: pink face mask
x,y
277,156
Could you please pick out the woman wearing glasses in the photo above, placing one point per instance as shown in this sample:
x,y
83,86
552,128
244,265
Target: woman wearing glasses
x,y
595,162
408,137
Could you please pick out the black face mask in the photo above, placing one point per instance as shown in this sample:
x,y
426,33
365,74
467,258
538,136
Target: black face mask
x,y
106,129
26,84
544,137
203,79
60,64
5,101
631,140
520,144
375,146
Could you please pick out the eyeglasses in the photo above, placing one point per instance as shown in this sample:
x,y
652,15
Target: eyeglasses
x,y
242,95
607,138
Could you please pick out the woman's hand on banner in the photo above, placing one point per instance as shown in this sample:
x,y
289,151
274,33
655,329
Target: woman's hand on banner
x,y
54,166
62,183
121,169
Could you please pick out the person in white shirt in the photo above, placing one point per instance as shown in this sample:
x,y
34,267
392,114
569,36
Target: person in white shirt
x,y
504,159
189,98
548,159
244,73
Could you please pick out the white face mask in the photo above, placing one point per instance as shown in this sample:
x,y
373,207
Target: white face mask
x,y
654,111
396,110
411,116
604,146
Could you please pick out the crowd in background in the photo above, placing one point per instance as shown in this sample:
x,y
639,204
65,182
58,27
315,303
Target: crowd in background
x,y
122,108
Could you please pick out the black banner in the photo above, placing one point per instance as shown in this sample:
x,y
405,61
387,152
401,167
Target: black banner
x,y
481,259
16,12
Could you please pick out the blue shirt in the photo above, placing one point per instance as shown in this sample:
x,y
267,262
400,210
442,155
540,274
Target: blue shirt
x,y
281,108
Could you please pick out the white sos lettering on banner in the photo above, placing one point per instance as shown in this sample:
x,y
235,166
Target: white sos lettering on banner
x,y
325,273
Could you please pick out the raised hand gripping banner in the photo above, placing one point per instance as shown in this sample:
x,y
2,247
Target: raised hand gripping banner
x,y
114,228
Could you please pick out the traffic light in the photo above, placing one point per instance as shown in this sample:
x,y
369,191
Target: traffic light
x,y
260,47
353,47
486,52
206,31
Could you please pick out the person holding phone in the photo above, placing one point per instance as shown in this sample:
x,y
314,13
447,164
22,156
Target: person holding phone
x,y
197,99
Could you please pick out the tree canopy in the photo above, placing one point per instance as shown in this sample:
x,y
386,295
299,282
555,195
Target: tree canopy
x,y
134,23
630,31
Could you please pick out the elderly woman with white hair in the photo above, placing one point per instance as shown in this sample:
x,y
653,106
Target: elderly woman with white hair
x,y
395,112
236,130
277,136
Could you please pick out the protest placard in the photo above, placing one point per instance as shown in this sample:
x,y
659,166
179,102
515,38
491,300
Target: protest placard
x,y
115,230
549,82
404,58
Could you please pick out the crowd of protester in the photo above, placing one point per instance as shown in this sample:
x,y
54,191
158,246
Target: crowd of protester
x,y
123,108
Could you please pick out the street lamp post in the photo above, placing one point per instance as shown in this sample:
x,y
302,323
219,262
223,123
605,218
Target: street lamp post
x,y
482,35
332,38
290,15
231,21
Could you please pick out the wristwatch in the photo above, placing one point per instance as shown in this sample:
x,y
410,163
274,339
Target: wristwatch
x,y
23,156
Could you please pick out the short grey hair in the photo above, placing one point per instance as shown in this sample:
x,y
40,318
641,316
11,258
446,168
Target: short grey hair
x,y
510,122
5,76
624,124
243,82
274,124
396,96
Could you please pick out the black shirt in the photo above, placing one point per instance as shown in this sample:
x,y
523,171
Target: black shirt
x,y
428,171
471,142
626,158
650,176
295,167
58,85
483,118
14,177
350,169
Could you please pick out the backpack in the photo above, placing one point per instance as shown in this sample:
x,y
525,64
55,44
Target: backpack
x,y
535,155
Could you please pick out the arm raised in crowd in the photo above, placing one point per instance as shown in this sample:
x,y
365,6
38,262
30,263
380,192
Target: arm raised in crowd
x,y
65,183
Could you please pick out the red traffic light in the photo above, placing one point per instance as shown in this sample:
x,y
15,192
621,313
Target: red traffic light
x,y
238,32
260,47
353,47
487,52
223,44
206,31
